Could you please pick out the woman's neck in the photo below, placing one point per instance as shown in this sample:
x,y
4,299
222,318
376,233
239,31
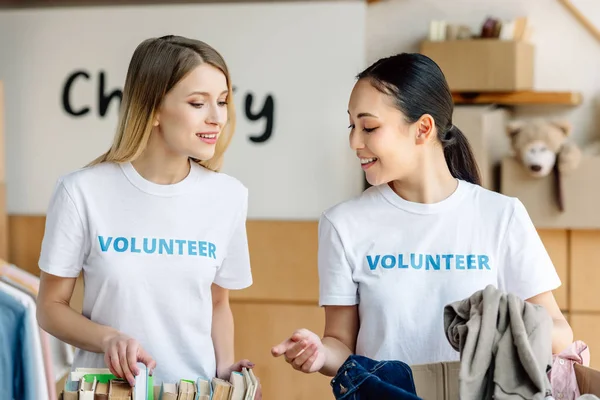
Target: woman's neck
x,y
430,183
159,166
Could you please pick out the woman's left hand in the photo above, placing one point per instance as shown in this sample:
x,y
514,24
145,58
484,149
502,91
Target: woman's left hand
x,y
225,374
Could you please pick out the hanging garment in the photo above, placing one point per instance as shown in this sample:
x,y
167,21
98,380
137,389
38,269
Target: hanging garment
x,y
361,378
62,354
505,346
33,359
562,375
13,330
45,342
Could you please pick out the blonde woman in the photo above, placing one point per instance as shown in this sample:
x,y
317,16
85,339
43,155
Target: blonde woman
x,y
158,232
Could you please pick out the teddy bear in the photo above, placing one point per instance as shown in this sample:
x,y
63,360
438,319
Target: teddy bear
x,y
541,144
542,147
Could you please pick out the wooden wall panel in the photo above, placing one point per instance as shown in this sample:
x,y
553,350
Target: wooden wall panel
x,y
25,233
556,242
284,261
261,326
3,223
585,270
586,328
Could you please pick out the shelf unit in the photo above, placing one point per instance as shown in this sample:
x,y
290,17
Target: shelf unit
x,y
519,98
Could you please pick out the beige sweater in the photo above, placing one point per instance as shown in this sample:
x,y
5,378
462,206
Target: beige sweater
x,y
505,346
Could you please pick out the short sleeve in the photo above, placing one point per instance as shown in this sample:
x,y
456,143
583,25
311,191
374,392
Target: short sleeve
x,y
63,246
528,269
235,272
336,285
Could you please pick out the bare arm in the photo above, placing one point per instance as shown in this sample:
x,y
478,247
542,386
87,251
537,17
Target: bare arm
x,y
305,351
562,334
222,330
55,316
339,338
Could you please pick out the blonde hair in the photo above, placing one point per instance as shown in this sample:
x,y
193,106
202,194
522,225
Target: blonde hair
x,y
156,66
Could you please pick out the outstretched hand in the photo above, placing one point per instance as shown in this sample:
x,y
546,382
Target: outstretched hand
x,y
304,351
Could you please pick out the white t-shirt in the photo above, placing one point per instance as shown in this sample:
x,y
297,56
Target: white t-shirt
x,y
150,254
402,262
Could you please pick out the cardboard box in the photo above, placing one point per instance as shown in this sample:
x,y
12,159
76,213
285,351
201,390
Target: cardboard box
x,y
485,128
588,380
580,191
439,381
484,65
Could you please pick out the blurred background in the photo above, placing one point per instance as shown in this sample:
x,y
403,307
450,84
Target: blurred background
x,y
293,63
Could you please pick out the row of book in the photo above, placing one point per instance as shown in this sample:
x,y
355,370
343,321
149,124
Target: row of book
x,y
100,384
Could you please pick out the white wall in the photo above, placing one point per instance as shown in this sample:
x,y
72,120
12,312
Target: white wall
x,y
290,50
567,55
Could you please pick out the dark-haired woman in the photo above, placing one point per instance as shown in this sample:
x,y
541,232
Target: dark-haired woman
x,y
424,235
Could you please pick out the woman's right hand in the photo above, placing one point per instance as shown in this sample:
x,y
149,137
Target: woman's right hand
x,y
304,351
121,355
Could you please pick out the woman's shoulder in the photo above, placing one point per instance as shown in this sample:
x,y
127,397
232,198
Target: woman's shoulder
x,y
224,182
489,198
353,207
489,201
90,175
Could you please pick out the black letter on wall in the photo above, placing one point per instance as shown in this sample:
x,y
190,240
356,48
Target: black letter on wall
x,y
67,90
268,112
104,101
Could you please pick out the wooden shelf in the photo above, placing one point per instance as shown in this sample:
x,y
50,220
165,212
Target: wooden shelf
x,y
519,98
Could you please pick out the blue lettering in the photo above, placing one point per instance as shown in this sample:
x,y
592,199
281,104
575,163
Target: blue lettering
x,y
162,246
401,261
430,262
483,261
180,243
104,245
149,250
390,264
412,261
434,262
192,248
447,257
471,262
460,261
122,248
373,263
202,246
133,248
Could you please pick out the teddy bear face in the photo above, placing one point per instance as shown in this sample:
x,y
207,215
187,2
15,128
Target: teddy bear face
x,y
537,142
537,158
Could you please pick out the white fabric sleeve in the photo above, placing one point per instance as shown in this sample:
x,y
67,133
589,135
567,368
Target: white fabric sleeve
x,y
235,272
64,243
336,285
527,267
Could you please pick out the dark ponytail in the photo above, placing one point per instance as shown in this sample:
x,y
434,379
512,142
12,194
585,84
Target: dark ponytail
x,y
419,87
459,156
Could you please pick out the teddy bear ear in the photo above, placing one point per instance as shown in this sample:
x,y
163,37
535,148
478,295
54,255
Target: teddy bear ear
x,y
564,126
513,128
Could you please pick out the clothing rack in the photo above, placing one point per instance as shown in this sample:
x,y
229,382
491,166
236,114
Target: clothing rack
x,y
36,360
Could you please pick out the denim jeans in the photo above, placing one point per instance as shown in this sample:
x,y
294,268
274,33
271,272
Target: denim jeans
x,y
361,378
